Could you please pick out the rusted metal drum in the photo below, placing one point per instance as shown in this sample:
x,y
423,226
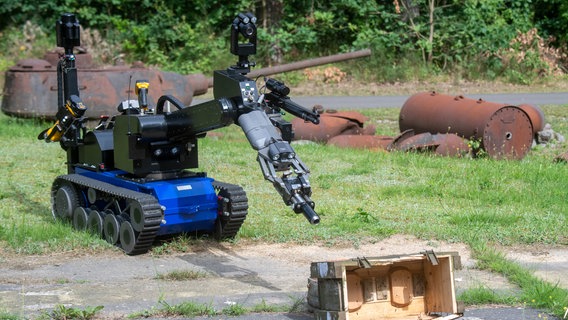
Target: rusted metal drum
x,y
30,88
536,115
504,131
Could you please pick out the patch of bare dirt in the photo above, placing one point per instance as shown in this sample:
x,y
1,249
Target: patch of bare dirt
x,y
394,245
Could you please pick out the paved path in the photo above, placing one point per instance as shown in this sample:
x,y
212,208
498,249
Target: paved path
x,y
473,314
365,102
248,276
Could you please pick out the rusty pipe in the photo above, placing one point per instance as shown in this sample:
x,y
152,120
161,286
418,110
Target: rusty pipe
x,y
504,131
305,64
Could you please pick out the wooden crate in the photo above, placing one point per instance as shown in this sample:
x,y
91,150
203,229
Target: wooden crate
x,y
415,286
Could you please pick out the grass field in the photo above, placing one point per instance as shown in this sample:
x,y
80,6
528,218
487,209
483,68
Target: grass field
x,y
360,195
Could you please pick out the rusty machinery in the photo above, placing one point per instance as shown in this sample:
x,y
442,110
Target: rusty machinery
x,y
504,131
437,123
30,86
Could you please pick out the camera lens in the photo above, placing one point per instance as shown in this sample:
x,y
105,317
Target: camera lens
x,y
249,31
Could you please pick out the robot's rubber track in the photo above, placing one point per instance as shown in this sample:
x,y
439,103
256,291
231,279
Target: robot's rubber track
x,y
150,207
233,209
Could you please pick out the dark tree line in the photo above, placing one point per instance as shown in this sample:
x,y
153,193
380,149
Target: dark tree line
x,y
486,38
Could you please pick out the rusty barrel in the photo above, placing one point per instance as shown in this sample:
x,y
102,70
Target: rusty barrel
x,y
30,88
505,131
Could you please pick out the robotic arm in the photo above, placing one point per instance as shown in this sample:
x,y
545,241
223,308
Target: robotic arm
x,y
278,160
70,106
276,155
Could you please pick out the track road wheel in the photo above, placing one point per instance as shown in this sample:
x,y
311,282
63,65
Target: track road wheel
x,y
109,205
111,227
136,216
218,229
80,216
127,237
232,210
64,202
95,223
92,195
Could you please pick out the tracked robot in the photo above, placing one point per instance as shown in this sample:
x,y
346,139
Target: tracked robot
x,y
129,179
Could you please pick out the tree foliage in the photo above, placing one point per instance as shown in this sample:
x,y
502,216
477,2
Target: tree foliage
x,y
466,36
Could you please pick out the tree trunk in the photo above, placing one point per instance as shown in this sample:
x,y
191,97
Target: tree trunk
x,y
431,35
269,14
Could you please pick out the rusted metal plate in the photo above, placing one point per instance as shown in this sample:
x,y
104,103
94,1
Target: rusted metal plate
x,y
361,142
327,128
508,134
332,124
354,116
401,137
418,142
451,145
444,144
32,65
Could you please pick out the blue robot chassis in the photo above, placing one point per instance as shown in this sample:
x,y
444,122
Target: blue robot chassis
x,y
128,179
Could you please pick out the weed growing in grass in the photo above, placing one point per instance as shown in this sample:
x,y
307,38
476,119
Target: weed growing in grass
x,y
363,216
186,309
483,295
61,312
234,309
298,304
179,243
8,316
481,220
535,292
265,307
476,146
194,309
182,275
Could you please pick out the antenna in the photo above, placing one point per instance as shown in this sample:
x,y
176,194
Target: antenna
x,y
129,103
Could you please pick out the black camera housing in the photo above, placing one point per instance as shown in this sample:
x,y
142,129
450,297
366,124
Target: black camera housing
x,y
243,26
68,32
